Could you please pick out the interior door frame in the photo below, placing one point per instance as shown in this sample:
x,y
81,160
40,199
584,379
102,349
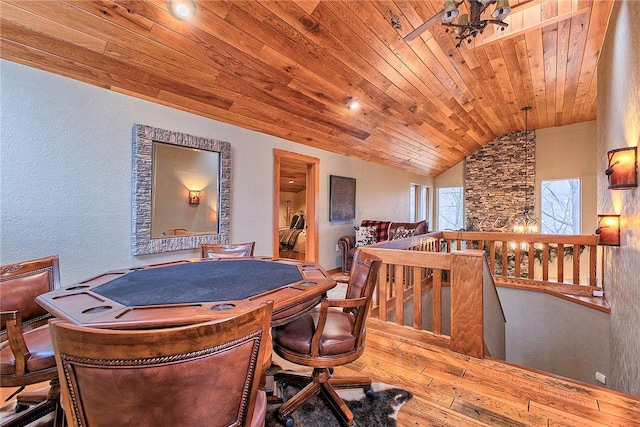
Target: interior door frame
x,y
312,196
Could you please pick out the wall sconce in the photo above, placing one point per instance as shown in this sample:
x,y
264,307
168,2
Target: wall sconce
x,y
622,170
194,197
608,231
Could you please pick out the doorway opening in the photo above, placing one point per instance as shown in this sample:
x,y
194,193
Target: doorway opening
x,y
295,206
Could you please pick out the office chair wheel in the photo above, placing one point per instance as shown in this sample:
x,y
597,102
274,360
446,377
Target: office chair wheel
x,y
20,408
289,421
369,393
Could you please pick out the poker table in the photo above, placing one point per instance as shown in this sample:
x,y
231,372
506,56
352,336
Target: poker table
x,y
190,291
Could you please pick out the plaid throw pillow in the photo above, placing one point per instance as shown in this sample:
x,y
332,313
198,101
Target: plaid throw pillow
x,y
382,228
365,236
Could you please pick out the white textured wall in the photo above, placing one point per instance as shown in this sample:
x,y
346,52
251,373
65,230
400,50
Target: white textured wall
x,y
619,126
65,178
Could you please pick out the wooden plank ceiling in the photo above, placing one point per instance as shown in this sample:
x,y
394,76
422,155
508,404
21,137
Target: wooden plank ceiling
x,y
289,68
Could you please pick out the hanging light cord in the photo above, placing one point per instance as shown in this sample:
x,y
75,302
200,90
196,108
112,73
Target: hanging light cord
x,y
526,160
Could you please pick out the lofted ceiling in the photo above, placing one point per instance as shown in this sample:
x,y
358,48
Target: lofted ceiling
x,y
289,68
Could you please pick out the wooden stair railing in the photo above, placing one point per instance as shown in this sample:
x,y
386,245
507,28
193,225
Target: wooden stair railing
x,y
415,266
407,275
531,256
539,262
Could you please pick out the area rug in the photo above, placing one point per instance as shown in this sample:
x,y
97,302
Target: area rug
x,y
379,411
7,413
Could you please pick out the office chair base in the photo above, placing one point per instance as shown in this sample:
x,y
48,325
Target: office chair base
x,y
321,381
37,411
26,399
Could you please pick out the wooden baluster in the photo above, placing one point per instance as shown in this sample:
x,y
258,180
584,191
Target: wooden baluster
x,y
384,274
545,261
576,264
436,301
505,253
560,258
375,303
492,256
517,261
593,281
399,292
418,274
532,257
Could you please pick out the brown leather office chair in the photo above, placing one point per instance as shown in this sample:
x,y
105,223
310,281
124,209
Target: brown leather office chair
x,y
205,374
27,354
230,250
330,335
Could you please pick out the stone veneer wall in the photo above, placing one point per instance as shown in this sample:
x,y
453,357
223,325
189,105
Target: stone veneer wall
x,y
496,185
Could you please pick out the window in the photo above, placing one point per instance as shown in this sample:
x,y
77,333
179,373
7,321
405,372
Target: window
x,y
450,208
419,203
560,206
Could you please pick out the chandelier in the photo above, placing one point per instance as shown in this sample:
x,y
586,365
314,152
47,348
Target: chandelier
x,y
472,24
526,223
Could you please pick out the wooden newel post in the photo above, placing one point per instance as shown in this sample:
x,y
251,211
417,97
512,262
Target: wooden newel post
x,y
466,303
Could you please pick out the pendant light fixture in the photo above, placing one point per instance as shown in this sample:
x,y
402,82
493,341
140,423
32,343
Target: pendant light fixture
x,y
526,223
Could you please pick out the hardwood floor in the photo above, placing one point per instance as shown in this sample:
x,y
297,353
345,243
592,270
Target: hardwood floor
x,y
451,389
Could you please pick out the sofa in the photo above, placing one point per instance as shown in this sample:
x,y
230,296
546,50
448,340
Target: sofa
x,y
376,231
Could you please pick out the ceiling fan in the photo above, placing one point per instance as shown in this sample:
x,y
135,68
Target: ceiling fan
x,y
468,25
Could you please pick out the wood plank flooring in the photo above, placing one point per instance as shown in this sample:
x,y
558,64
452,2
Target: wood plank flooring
x,y
451,389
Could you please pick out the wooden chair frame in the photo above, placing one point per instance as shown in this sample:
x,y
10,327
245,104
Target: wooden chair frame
x,y
15,330
227,250
89,355
362,282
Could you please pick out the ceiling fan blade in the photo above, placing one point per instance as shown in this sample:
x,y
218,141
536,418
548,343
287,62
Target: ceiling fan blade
x,y
424,27
435,18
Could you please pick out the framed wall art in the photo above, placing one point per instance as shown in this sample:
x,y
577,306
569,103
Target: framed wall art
x,y
342,198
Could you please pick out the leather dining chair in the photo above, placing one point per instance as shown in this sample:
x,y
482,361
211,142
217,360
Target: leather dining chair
x,y
331,334
234,250
204,374
26,354
230,250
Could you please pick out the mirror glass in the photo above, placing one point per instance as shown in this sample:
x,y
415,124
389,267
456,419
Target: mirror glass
x,y
168,167
177,171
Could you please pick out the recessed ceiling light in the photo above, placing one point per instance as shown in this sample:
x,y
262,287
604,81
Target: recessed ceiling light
x,y
182,9
354,104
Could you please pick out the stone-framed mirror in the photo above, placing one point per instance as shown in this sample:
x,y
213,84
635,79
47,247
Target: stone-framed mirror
x,y
166,166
